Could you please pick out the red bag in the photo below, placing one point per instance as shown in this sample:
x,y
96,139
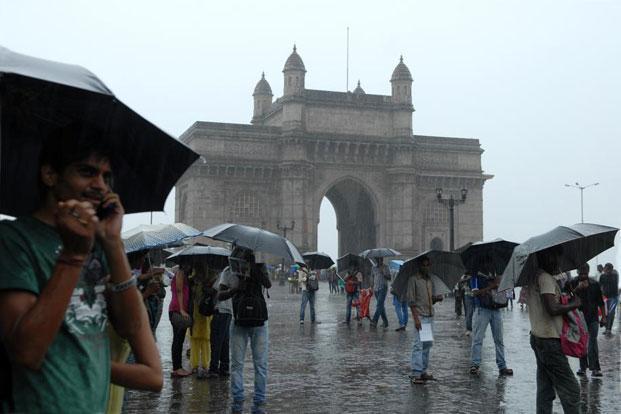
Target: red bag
x,y
574,335
350,285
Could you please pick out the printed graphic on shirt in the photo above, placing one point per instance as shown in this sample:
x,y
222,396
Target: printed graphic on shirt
x,y
87,313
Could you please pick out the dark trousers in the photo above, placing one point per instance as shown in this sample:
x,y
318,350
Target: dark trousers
x,y
554,376
459,299
179,330
591,361
220,333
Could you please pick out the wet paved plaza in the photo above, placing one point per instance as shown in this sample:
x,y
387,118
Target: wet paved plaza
x,y
333,368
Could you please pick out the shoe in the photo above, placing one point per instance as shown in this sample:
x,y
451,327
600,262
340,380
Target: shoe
x,y
400,329
505,372
597,373
301,321
316,322
202,374
180,373
468,333
373,324
581,373
474,370
427,377
416,380
385,325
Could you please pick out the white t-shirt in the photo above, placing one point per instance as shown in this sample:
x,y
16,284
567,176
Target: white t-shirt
x,y
542,324
228,279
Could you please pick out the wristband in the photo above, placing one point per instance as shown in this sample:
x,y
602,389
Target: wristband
x,y
120,287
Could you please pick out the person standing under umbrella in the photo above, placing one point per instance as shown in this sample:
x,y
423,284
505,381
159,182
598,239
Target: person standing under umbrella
x,y
63,276
421,299
179,314
381,276
201,288
309,284
609,282
545,312
590,295
244,283
486,313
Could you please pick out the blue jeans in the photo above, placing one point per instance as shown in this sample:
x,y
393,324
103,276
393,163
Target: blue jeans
x,y
469,306
611,309
350,298
401,309
483,317
308,297
380,310
259,345
420,350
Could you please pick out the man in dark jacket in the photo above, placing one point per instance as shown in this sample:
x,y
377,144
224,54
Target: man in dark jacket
x,y
609,282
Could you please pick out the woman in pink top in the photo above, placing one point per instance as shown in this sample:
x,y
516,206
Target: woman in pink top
x,y
179,315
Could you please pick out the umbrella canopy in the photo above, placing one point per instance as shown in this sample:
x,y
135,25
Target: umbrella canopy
x,y
380,252
150,236
349,262
446,265
571,246
488,257
400,284
318,260
256,239
215,257
37,97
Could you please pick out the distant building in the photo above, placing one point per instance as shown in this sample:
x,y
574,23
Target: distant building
x,y
354,148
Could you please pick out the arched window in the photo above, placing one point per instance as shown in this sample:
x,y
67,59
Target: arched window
x,y
436,244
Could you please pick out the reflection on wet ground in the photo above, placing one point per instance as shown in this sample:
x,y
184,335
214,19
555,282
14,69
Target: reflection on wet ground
x,y
333,368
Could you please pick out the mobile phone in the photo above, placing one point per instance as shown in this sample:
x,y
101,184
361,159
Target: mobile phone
x,y
103,212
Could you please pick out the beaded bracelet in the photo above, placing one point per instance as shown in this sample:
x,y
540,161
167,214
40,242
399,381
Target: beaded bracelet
x,y
120,287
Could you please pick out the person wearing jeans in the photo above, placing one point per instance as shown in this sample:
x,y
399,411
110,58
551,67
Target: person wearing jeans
x,y
401,309
485,314
258,336
220,335
381,276
308,295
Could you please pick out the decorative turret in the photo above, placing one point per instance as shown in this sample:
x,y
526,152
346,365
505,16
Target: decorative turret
x,y
294,72
359,90
401,81
262,98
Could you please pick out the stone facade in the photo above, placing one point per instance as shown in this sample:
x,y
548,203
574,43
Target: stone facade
x,y
356,149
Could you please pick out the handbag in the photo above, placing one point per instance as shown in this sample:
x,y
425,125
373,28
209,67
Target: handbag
x,y
574,334
179,321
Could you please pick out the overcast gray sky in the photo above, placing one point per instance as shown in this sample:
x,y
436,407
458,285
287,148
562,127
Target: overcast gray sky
x,y
537,82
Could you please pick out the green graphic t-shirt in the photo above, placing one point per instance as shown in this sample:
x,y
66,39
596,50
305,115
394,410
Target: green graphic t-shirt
x,y
75,374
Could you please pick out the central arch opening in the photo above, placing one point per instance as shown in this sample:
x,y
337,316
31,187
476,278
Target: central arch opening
x,y
355,218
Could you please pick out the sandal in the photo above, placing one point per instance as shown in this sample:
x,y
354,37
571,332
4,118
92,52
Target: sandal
x,y
474,370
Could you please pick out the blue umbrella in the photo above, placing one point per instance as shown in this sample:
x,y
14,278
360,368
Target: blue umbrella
x,y
156,235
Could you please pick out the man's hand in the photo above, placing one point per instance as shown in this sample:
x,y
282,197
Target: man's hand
x,y
109,227
417,324
582,285
184,314
76,224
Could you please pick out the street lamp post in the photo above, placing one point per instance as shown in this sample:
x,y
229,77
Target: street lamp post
x,y
581,188
451,202
284,234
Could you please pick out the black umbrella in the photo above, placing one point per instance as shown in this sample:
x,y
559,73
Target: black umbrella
x,y
400,284
488,257
571,246
349,262
318,260
446,265
256,239
38,97
215,257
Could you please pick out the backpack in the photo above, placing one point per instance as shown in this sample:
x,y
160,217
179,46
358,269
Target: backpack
x,y
350,285
574,334
312,284
249,307
494,299
207,304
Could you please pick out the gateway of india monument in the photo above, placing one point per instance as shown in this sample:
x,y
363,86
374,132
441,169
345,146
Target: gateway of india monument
x,y
354,148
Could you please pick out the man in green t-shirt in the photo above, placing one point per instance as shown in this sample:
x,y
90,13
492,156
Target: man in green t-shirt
x,y
63,276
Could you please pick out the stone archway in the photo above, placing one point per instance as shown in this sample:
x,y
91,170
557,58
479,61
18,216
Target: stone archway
x,y
356,216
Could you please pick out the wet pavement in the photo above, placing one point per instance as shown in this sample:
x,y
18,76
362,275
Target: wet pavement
x,y
333,368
